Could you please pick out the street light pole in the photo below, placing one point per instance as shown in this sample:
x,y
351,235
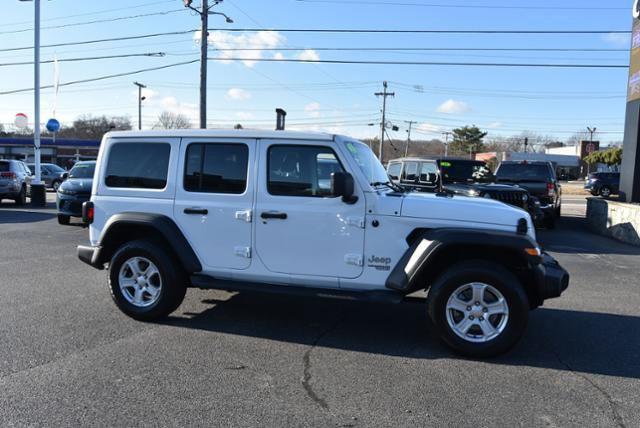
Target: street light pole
x,y
591,132
140,98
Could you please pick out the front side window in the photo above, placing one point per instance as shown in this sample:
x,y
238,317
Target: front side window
x,y
301,170
394,171
216,168
138,165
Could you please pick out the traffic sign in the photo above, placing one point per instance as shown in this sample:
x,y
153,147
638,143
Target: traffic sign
x,y
53,125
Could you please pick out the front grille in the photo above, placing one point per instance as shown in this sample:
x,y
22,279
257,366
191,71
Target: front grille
x,y
511,198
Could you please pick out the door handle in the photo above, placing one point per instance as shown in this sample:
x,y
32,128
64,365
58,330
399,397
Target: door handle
x,y
276,215
201,211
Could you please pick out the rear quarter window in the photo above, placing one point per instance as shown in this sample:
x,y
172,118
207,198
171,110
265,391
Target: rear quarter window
x,y
138,165
5,167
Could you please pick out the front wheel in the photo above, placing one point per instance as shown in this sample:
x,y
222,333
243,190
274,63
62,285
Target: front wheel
x,y
55,185
605,192
145,280
64,219
479,308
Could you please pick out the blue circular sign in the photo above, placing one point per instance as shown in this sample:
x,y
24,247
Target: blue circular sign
x,y
53,125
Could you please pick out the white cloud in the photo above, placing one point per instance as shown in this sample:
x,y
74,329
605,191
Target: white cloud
x,y
617,39
429,128
278,56
173,105
149,94
238,94
453,107
259,40
309,55
244,115
494,125
312,109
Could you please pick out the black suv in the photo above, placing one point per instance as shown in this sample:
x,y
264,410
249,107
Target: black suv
x,y
539,178
603,184
461,177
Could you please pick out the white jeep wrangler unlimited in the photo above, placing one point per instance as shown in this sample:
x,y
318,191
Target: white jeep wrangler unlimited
x,y
311,214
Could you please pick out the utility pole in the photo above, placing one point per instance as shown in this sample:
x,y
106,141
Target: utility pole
x,y
591,132
140,99
204,45
406,148
383,125
446,142
526,144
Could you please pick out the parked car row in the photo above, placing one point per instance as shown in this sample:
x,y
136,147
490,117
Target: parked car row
x,y
531,186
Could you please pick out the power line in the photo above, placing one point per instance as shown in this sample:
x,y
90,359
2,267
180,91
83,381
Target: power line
x,y
93,58
396,31
110,76
426,63
458,6
285,49
113,39
97,21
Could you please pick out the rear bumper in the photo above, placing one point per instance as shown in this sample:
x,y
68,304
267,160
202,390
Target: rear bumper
x,y
551,278
90,255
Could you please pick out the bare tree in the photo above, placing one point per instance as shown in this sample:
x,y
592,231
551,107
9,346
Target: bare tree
x,y
93,128
168,120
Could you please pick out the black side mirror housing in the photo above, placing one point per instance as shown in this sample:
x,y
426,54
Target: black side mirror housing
x,y
65,175
342,184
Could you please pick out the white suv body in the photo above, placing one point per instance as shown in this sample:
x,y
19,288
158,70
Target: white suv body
x,y
254,207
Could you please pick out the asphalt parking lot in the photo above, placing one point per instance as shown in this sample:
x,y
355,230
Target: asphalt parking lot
x,y
69,357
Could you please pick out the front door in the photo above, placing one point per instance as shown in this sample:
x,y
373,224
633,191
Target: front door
x,y
214,198
300,228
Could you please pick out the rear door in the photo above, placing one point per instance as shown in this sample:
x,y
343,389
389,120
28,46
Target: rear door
x,y
214,198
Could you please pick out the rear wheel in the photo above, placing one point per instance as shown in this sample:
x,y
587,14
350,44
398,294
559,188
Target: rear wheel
x,y
55,185
63,219
21,199
479,308
145,280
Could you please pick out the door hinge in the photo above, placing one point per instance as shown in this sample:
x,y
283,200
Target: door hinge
x,y
356,221
245,215
243,252
354,259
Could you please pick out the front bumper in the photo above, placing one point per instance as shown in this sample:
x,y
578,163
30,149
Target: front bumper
x,y
551,278
91,256
70,205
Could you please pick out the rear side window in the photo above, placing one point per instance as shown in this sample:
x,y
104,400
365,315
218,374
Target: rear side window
x,y
426,169
138,165
531,172
5,167
410,172
216,168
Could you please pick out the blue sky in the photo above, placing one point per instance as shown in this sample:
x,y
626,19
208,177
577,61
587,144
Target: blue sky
x,y
334,98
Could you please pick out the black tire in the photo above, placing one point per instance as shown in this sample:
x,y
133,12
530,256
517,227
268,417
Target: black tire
x,y
64,219
559,212
495,276
173,279
550,221
605,192
21,199
55,184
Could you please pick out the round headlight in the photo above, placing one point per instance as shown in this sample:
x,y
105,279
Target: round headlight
x,y
487,195
525,197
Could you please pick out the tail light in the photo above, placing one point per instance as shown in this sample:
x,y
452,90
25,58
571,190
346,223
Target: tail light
x,y
550,189
9,175
87,212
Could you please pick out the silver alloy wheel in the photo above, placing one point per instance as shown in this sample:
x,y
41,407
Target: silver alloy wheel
x,y
55,185
477,312
605,192
140,282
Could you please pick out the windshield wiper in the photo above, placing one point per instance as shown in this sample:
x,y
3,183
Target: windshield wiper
x,y
389,184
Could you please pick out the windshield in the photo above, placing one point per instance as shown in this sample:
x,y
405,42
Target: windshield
x,y
453,171
523,172
84,170
367,161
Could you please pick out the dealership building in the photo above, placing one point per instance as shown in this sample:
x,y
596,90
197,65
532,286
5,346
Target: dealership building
x,y
61,151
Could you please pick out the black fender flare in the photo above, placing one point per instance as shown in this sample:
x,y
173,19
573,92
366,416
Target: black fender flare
x,y
428,245
165,227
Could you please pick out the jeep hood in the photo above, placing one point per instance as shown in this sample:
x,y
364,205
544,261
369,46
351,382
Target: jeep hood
x,y
462,211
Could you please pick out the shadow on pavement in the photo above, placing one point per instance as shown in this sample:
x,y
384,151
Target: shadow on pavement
x,y
17,216
564,340
573,237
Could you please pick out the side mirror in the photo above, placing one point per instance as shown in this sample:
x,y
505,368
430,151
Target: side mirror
x,y
342,184
65,175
